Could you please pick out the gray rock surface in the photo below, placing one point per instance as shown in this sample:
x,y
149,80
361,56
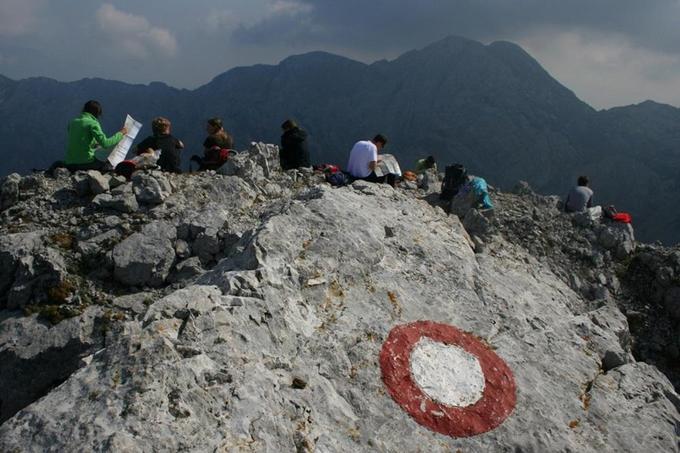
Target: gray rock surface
x,y
98,183
151,187
276,347
121,202
145,258
9,190
37,357
28,269
267,300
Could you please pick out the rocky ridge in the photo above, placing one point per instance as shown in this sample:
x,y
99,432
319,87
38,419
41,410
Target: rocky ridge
x,y
245,311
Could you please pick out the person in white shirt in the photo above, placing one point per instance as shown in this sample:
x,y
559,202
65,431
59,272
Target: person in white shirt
x,y
363,159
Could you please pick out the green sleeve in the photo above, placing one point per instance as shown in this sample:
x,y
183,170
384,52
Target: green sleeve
x,y
101,138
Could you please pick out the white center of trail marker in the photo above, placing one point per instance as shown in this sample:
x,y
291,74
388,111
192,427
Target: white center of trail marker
x,y
447,374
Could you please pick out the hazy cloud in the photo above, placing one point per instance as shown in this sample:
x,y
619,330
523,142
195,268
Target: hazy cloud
x,y
18,17
133,35
607,68
290,7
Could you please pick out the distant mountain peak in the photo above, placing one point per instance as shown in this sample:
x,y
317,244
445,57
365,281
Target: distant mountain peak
x,y
317,57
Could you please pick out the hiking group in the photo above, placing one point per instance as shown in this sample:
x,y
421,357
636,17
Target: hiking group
x,y
162,149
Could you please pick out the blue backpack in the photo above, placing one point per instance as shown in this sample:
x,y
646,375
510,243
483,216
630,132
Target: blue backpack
x,y
337,179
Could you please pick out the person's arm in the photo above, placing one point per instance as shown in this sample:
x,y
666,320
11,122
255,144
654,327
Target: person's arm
x,y
208,143
375,158
144,146
102,140
590,202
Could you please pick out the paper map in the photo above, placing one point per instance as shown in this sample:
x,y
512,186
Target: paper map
x,y
387,165
120,151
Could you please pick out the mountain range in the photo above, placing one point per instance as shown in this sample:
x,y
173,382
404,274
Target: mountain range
x,y
491,107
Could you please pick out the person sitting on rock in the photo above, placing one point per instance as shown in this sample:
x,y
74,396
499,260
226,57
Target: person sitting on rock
x,y
473,194
85,136
364,158
422,165
294,152
170,147
216,146
580,197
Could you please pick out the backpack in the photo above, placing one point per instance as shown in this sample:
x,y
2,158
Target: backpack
x,y
622,217
454,177
337,179
126,168
334,176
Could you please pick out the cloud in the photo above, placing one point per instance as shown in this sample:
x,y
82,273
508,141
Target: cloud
x,y
289,7
606,69
218,20
18,17
380,25
133,36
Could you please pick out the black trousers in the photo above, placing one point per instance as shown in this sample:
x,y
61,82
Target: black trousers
x,y
94,165
389,179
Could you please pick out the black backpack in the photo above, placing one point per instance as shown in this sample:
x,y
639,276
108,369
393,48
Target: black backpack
x,y
454,177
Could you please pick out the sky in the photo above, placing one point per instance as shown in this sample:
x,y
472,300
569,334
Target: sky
x,y
609,52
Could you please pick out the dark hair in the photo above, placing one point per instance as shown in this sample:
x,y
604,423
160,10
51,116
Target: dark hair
x,y
93,107
583,181
380,139
289,124
215,122
430,160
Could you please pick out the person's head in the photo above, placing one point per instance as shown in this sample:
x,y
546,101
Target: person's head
x,y
160,125
214,125
582,181
430,161
379,141
288,125
94,108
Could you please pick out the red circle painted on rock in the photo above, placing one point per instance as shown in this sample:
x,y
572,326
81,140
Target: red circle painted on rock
x,y
498,398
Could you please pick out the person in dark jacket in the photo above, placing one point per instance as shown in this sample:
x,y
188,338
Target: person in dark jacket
x,y
170,147
214,146
294,152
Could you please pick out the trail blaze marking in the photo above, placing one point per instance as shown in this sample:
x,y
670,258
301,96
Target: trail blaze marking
x,y
446,379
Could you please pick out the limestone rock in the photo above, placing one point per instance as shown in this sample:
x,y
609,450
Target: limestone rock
x,y
588,217
269,337
97,182
9,191
187,269
81,183
151,187
121,202
37,357
28,269
476,222
212,365
145,258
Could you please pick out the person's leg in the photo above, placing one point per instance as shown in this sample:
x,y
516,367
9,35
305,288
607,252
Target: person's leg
x,y
94,165
373,178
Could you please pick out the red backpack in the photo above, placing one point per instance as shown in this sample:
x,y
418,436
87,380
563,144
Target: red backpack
x,y
622,217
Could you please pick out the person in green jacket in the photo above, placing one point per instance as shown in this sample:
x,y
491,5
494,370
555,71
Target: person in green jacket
x,y
85,136
422,165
